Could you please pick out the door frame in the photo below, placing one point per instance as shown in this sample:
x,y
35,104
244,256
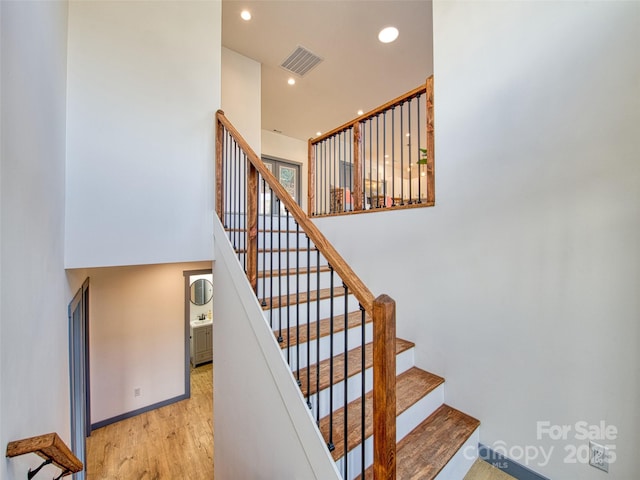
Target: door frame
x,y
79,373
276,163
187,325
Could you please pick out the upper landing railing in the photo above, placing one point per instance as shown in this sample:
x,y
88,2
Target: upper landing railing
x,y
383,159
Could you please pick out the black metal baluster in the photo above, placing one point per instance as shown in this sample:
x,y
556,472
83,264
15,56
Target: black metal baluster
x,y
384,155
230,204
393,155
402,152
370,162
330,442
264,241
363,377
288,254
409,150
298,302
346,378
308,321
419,165
351,153
280,297
378,163
244,181
318,337
271,254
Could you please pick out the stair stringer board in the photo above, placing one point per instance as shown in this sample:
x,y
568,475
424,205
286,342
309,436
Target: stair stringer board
x,y
263,428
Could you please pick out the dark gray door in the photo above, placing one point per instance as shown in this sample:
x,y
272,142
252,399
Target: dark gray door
x,y
79,373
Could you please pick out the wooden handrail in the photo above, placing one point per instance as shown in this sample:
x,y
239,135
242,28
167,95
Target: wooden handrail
x,y
348,276
392,103
49,447
382,309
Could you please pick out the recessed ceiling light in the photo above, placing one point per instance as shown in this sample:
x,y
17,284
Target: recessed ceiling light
x,y
245,15
291,81
388,34
360,112
318,134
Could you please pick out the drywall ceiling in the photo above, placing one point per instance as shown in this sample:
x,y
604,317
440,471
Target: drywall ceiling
x,y
358,72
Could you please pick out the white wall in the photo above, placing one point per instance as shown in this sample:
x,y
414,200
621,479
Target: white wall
x,y
144,85
291,149
137,335
34,392
521,285
263,428
241,94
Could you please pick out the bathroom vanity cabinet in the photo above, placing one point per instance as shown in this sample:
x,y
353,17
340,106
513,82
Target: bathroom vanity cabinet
x,y
201,343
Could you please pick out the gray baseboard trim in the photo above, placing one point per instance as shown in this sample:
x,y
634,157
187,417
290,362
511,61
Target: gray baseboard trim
x,y
507,465
124,416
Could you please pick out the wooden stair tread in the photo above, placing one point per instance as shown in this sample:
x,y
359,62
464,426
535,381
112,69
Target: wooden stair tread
x,y
291,272
426,450
354,320
298,298
354,363
411,386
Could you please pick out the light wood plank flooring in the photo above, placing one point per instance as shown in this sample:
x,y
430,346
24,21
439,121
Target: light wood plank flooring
x,y
482,470
173,442
176,442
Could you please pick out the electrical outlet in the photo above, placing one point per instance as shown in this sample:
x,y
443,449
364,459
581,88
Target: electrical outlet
x,y
136,392
599,456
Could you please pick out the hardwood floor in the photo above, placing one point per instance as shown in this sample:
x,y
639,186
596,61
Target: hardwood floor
x,y
482,470
176,442
173,442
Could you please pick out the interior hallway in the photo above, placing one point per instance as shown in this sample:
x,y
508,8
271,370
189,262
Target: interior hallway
x,y
173,442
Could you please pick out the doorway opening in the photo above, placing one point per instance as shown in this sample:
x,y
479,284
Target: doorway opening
x,y
198,312
288,174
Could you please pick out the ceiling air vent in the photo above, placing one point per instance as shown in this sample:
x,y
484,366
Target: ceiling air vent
x,y
301,61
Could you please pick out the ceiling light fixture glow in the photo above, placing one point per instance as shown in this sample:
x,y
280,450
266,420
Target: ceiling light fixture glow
x,y
318,134
388,34
291,81
245,15
360,112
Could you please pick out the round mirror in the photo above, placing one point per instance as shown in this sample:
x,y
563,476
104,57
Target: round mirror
x,y
201,291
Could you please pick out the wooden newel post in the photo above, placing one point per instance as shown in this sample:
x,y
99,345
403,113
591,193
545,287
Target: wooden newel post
x,y
311,185
357,195
384,388
219,168
252,225
431,144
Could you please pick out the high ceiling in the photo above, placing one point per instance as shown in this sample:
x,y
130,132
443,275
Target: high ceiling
x,y
357,72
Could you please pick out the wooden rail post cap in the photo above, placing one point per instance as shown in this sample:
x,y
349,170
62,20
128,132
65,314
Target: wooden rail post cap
x,y
220,112
385,299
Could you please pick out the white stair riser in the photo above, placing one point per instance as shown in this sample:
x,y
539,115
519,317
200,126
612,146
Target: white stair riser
x,y
354,339
459,465
405,423
238,220
280,260
404,361
277,284
297,314
268,240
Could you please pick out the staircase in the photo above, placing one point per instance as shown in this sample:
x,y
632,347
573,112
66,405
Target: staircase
x,y
434,440
325,330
